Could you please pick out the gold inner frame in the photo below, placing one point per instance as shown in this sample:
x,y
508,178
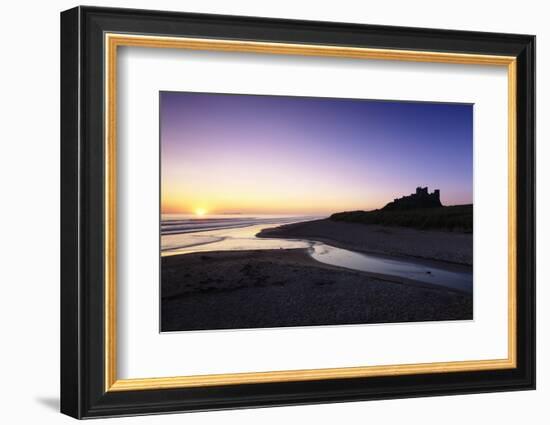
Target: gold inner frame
x,y
113,41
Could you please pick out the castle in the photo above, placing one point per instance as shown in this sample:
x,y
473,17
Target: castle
x,y
420,199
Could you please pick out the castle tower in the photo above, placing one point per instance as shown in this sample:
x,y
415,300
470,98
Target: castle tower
x,y
420,199
422,190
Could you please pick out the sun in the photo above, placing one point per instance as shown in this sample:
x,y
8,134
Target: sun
x,y
200,212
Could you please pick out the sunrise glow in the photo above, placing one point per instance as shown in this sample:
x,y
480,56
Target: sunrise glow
x,y
200,212
227,154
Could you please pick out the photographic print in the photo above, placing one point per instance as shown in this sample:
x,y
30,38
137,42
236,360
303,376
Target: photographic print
x,y
282,211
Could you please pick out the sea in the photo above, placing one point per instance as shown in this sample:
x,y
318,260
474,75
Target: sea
x,y
182,233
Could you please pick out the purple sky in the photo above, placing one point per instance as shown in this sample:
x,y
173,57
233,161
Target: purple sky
x,y
278,154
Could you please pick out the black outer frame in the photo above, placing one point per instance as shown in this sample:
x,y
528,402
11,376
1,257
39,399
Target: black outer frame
x,y
82,206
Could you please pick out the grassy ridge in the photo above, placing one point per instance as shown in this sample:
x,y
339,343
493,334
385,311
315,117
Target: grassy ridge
x,y
457,218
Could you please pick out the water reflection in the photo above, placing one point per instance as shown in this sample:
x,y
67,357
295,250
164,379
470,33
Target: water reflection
x,y
461,280
240,238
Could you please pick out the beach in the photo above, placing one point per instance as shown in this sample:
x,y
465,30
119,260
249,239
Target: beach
x,y
393,241
286,287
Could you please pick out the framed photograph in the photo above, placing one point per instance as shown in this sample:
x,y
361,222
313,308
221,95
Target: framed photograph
x,y
261,212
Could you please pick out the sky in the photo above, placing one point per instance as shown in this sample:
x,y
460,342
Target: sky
x,y
223,154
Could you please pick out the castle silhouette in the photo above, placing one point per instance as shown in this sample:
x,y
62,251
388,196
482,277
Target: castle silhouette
x,y
420,199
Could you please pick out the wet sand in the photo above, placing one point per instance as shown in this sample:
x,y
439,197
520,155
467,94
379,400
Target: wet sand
x,y
375,239
286,287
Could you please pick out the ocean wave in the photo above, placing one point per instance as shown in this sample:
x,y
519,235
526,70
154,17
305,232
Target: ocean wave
x,y
178,226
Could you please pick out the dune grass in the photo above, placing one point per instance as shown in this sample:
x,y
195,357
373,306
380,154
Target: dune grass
x,y
456,218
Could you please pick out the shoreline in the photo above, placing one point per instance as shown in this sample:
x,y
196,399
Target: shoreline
x,y
427,246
